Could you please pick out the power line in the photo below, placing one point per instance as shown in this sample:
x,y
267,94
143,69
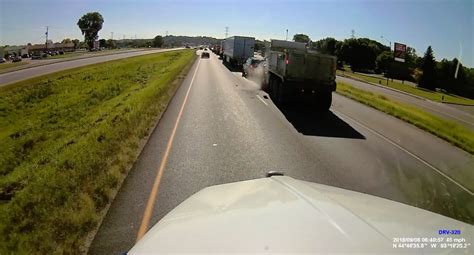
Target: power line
x,y
226,31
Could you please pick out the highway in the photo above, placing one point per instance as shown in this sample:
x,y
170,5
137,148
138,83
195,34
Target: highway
x,y
15,76
445,111
222,128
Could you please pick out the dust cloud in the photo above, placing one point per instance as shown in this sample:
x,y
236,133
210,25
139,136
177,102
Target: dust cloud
x,y
257,75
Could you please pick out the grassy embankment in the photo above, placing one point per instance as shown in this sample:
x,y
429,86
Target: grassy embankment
x,y
431,95
452,132
11,64
68,140
68,55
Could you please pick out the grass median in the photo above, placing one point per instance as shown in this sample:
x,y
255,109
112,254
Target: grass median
x,y
452,132
11,64
68,55
67,142
431,95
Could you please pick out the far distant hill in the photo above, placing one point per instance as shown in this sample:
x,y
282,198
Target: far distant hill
x,y
193,40
170,40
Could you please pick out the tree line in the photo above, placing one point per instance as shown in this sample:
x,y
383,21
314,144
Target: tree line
x,y
366,55
362,54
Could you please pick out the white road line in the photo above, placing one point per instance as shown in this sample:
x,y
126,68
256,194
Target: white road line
x,y
261,99
406,151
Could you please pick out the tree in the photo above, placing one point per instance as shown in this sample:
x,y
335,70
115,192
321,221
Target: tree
x,y
76,43
111,44
67,40
301,38
399,70
460,80
411,58
445,74
360,53
327,46
428,78
158,41
384,60
83,45
90,25
102,43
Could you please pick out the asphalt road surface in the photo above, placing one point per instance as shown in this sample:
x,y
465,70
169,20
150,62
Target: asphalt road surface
x,y
445,111
229,130
11,77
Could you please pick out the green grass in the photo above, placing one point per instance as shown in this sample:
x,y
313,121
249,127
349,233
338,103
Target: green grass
x,y
84,53
452,132
11,64
67,142
67,55
431,95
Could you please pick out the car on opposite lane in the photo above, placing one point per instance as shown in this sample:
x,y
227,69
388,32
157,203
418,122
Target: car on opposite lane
x,y
205,54
16,59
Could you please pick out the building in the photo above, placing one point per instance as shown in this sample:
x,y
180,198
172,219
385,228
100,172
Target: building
x,y
36,49
39,48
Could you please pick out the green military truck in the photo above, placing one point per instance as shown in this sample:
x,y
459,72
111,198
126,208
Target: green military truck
x,y
295,71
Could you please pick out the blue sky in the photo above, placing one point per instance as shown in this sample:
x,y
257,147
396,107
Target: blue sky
x,y
442,24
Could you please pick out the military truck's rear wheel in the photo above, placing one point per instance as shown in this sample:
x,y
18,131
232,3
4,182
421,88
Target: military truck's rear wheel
x,y
323,101
276,90
271,88
279,94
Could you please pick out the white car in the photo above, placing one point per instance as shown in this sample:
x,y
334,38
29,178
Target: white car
x,y
3,60
287,216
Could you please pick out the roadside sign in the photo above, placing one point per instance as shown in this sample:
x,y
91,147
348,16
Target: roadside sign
x,y
400,51
96,44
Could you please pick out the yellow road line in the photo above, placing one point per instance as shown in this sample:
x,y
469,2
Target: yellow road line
x,y
154,191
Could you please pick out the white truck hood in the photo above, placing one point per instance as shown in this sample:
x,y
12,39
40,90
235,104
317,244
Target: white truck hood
x,y
284,215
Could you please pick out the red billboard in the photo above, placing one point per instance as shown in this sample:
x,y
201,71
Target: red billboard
x,y
400,51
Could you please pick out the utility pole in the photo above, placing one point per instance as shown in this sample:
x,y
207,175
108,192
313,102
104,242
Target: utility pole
x,y
286,34
112,35
47,31
226,31
390,43
352,33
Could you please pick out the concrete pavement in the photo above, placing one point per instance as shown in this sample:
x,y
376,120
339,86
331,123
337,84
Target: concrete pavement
x,y
230,131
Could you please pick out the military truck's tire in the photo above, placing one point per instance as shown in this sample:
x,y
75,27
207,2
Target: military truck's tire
x,y
323,101
271,87
279,93
274,89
